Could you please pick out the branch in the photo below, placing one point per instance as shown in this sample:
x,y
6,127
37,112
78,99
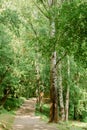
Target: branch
x,y
33,29
61,58
44,5
35,32
41,10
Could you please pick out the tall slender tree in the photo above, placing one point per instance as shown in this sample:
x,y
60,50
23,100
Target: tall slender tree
x,y
67,91
61,92
53,71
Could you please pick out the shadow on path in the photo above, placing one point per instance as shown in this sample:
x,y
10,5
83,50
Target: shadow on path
x,y
26,120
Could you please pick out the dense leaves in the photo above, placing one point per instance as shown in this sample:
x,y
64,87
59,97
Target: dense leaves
x,y
26,48
72,22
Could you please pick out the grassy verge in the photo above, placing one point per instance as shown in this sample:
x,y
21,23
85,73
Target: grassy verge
x,y
70,125
45,112
7,113
6,120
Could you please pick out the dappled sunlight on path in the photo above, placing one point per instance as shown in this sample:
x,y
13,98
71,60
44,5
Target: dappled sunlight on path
x,y
26,120
28,108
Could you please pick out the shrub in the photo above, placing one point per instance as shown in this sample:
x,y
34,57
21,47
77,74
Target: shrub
x,y
13,103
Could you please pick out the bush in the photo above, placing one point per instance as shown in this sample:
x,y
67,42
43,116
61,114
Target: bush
x,y
84,116
13,103
2,110
45,110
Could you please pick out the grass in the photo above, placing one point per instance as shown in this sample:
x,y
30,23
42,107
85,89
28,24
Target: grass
x,y
70,125
7,117
6,120
45,112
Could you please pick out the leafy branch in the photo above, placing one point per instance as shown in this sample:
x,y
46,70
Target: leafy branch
x,y
41,10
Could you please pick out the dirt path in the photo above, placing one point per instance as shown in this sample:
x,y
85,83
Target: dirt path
x,y
26,119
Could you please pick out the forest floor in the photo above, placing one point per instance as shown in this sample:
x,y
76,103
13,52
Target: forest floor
x,y
26,120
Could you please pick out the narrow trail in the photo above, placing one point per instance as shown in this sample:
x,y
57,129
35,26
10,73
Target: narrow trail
x,y
26,120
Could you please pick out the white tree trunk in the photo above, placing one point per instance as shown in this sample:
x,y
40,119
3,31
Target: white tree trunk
x,y
61,93
53,91
67,93
53,72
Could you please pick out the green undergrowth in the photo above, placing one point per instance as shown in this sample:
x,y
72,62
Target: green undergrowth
x,y
13,103
45,112
6,119
70,125
7,113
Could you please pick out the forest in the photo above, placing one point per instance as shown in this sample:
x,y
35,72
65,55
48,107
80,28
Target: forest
x,y
43,55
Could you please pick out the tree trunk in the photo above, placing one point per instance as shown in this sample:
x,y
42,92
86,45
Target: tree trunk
x,y
38,82
61,93
76,81
75,112
39,93
53,91
41,101
53,71
4,98
67,92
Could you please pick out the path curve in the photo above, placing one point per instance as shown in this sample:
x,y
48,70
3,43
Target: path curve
x,y
26,120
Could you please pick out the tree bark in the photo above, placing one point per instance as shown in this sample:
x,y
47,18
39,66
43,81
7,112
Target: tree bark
x,y
75,112
4,98
53,91
76,81
38,82
67,92
41,101
61,93
53,71
39,93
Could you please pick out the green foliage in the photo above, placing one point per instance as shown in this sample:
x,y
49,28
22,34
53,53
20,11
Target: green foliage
x,y
25,40
45,111
2,110
10,18
72,26
13,103
71,125
84,116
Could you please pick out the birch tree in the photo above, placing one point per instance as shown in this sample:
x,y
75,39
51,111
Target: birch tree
x,y
53,72
62,110
67,91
